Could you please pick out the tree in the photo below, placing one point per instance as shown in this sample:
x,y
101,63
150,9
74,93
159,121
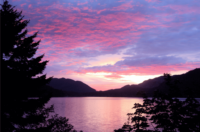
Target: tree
x,y
171,114
19,80
167,112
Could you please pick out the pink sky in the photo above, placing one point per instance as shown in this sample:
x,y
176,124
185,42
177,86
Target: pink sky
x,y
109,44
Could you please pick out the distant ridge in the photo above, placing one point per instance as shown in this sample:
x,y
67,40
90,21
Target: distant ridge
x,y
190,79
152,82
67,87
70,85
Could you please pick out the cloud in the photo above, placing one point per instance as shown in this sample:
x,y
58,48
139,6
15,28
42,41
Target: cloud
x,y
153,1
148,61
153,69
82,37
82,3
98,12
114,76
23,4
168,41
29,6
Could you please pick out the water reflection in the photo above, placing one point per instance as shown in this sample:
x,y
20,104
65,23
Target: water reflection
x,y
99,114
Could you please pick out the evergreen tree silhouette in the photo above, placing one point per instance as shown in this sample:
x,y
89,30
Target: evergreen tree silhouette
x,y
166,112
19,81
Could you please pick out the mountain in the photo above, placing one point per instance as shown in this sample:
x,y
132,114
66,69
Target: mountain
x,y
126,91
189,80
67,87
60,93
70,86
55,92
152,82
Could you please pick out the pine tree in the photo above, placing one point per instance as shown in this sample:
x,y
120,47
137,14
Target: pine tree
x,y
19,81
166,112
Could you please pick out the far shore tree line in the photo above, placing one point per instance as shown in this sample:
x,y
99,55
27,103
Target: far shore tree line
x,y
20,81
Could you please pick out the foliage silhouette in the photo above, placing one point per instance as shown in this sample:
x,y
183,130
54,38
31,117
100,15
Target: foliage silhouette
x,y
166,112
19,80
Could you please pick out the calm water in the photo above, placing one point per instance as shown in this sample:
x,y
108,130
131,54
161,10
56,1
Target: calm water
x,y
95,114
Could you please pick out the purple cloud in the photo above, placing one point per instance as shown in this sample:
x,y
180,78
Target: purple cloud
x,y
149,36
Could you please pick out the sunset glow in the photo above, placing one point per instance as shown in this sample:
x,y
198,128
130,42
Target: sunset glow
x,y
109,44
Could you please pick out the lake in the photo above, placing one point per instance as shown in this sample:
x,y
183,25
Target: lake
x,y
95,114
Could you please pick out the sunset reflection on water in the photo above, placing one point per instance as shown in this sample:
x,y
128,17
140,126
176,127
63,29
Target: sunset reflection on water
x,y
99,114
96,114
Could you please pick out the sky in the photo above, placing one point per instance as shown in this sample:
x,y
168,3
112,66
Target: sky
x,y
111,43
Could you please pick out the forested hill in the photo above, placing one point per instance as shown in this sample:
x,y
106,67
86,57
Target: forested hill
x,y
68,87
189,80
